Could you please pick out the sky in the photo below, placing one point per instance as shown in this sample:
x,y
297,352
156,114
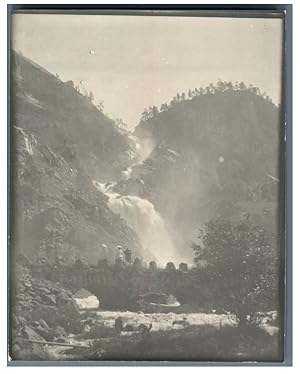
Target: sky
x,y
140,61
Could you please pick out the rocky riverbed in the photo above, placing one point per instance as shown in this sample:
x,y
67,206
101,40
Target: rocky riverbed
x,y
47,325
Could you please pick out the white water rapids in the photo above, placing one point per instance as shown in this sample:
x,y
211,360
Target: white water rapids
x,y
142,217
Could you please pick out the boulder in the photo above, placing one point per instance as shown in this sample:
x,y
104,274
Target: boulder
x,y
34,303
60,340
47,313
20,297
28,285
43,324
42,290
85,300
69,311
31,334
62,299
45,333
49,299
19,321
131,327
60,331
118,324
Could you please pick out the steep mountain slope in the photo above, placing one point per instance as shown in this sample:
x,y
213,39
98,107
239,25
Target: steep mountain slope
x,y
61,142
215,154
63,118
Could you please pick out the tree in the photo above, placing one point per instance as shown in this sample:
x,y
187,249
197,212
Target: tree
x,y
211,88
100,105
200,90
241,264
91,96
220,85
154,111
229,86
145,115
173,102
121,124
242,86
164,107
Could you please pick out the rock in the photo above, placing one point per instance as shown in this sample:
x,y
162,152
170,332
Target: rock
x,y
49,299
31,334
34,303
131,327
38,299
28,285
20,288
46,334
21,306
15,321
47,313
22,320
87,328
42,290
60,331
43,324
63,299
23,260
69,314
118,325
35,324
18,322
144,328
20,297
16,348
60,340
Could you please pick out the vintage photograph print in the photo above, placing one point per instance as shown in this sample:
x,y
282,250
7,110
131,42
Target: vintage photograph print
x,y
146,187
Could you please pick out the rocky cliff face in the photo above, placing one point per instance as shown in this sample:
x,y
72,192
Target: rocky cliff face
x,y
61,142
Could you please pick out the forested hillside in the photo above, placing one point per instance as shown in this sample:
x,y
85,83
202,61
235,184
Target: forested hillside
x,y
215,153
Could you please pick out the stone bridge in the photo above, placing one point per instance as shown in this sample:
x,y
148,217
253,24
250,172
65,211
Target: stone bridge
x,y
119,287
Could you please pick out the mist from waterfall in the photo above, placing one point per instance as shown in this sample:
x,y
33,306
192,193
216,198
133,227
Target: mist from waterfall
x,y
142,152
142,217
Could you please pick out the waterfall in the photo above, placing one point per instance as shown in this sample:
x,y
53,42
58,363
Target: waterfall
x,y
142,217
142,152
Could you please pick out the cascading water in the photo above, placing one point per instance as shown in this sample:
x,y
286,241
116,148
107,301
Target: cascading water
x,y
141,215
142,152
